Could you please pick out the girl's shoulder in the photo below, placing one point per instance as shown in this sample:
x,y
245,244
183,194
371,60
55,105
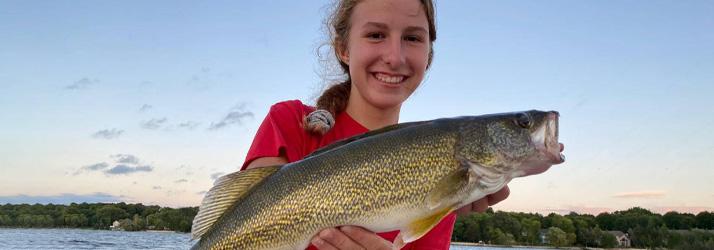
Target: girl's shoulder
x,y
291,108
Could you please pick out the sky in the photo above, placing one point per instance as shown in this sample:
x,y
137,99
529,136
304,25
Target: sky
x,y
150,101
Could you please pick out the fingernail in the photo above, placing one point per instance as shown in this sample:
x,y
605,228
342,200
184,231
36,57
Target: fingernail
x,y
326,234
346,229
317,241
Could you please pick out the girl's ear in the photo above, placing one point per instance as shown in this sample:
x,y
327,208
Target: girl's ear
x,y
342,52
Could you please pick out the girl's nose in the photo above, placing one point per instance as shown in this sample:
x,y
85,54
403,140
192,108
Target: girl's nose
x,y
393,54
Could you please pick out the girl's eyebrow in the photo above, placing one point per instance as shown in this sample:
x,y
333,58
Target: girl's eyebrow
x,y
384,26
375,25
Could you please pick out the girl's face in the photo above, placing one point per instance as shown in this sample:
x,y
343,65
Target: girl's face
x,y
387,51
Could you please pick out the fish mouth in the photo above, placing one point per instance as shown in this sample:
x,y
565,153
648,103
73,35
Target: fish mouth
x,y
546,139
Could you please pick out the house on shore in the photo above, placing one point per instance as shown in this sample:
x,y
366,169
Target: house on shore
x,y
622,239
116,226
543,232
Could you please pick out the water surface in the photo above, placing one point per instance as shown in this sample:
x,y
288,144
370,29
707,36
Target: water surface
x,y
114,240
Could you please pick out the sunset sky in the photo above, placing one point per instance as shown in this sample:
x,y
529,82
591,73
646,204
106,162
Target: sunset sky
x,y
150,101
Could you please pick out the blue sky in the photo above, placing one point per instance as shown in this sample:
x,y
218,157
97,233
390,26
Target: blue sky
x,y
148,102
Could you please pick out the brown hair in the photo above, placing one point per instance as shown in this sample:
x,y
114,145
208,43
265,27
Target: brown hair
x,y
334,99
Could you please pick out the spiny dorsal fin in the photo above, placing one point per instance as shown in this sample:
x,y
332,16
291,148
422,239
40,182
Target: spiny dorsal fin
x,y
225,191
362,136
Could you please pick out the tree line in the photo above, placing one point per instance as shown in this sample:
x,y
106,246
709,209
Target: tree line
x,y
644,228
132,217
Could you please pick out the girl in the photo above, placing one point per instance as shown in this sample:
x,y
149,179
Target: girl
x,y
384,48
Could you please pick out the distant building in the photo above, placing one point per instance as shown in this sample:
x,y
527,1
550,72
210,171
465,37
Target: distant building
x,y
116,226
543,232
622,239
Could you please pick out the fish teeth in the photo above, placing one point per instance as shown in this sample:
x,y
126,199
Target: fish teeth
x,y
389,79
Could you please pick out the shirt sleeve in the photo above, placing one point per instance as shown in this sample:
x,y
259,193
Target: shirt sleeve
x,y
280,134
439,237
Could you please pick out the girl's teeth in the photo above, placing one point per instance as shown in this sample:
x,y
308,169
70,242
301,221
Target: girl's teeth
x,y
389,79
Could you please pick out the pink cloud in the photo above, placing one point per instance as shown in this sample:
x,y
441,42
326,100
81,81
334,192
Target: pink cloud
x,y
641,194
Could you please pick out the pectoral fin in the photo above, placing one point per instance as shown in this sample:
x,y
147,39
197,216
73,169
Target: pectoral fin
x,y
419,228
226,191
451,188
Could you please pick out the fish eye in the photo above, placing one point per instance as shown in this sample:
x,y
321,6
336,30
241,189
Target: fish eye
x,y
523,120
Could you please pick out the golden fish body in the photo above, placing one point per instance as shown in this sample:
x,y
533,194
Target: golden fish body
x,y
404,177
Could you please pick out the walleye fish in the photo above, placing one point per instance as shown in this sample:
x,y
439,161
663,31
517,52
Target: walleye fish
x,y
403,177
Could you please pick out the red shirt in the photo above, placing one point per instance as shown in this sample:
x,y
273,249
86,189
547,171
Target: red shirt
x,y
282,133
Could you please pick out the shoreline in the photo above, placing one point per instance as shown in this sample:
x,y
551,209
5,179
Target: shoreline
x,y
92,229
537,247
515,246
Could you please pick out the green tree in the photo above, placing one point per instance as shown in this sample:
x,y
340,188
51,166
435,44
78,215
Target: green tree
x,y
531,231
139,222
111,213
606,221
675,239
127,225
5,221
705,220
184,226
563,223
506,223
589,236
608,240
677,221
499,238
556,237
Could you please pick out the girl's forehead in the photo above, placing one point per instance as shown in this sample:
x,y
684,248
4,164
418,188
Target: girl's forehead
x,y
408,9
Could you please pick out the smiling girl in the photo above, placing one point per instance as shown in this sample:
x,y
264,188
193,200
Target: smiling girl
x,y
384,48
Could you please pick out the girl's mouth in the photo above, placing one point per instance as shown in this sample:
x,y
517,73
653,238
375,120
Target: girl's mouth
x,y
389,78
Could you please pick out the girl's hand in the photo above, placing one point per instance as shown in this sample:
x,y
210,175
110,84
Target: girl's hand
x,y
482,204
349,237
358,238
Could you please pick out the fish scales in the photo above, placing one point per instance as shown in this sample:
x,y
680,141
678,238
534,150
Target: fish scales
x,y
365,183
343,188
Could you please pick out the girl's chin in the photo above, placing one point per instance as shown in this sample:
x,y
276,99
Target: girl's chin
x,y
387,101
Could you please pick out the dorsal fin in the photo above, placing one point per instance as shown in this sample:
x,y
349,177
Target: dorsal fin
x,y
225,191
362,136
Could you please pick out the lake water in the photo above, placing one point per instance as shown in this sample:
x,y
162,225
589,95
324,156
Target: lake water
x,y
111,240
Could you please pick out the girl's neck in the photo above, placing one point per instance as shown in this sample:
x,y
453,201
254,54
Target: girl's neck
x,y
370,116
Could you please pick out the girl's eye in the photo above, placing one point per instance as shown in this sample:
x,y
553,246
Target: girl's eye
x,y
375,36
412,39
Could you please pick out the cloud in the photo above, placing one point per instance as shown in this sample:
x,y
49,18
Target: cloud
x,y
189,125
153,123
107,134
82,84
64,198
145,107
93,167
174,192
216,175
641,194
185,168
201,193
155,187
130,159
235,116
181,180
124,169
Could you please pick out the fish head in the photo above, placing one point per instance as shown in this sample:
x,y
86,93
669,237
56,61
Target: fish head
x,y
520,143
